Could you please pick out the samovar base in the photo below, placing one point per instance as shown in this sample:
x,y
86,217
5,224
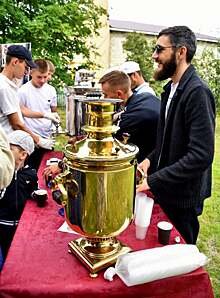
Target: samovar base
x,y
96,263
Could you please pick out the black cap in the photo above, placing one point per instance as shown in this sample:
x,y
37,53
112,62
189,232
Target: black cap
x,y
21,52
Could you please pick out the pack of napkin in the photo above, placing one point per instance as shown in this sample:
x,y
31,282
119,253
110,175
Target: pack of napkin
x,y
152,264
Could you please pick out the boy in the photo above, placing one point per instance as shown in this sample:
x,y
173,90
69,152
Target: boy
x,y
38,103
24,182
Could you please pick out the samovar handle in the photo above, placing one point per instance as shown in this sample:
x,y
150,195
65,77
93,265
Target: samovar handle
x,y
59,185
140,175
125,137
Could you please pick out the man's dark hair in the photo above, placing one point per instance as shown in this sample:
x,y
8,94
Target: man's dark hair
x,y
8,59
181,36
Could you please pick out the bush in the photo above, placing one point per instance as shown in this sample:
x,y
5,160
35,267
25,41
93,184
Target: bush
x,y
208,67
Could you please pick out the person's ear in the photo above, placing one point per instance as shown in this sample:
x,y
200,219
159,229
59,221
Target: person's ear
x,y
120,94
134,75
15,61
182,52
23,155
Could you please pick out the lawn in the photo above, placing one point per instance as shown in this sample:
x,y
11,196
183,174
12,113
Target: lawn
x,y
209,237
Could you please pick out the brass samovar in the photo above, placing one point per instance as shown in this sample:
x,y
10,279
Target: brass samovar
x,y
98,187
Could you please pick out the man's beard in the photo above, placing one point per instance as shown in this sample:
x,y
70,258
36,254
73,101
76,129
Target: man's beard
x,y
167,71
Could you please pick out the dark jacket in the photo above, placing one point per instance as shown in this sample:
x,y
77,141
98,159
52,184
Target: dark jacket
x,y
185,144
140,120
24,182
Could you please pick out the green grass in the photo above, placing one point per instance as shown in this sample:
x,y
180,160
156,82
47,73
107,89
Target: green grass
x,y
209,236
61,139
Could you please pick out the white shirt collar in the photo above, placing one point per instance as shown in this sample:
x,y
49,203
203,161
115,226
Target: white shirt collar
x,y
11,83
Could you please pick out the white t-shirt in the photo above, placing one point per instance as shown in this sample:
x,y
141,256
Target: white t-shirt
x,y
172,91
38,100
9,102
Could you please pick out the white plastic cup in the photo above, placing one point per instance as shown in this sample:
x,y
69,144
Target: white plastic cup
x,y
143,210
141,232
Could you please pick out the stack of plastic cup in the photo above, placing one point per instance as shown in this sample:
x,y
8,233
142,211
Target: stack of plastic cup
x,y
143,211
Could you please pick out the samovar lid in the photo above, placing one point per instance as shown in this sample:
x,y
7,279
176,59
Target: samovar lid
x,y
106,150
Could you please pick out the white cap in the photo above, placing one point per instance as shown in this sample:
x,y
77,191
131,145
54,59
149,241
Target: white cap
x,y
129,67
23,139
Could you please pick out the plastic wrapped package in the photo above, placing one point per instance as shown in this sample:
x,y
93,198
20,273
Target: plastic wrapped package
x,y
152,264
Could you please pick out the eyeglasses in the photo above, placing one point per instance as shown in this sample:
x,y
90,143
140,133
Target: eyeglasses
x,y
158,48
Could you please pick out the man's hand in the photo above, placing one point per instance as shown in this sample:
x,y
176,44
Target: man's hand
x,y
143,166
35,137
143,187
52,169
117,116
54,117
46,143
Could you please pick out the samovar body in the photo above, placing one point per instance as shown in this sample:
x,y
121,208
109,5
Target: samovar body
x,y
98,187
100,201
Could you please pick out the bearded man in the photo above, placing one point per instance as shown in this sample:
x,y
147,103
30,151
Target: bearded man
x,y
178,171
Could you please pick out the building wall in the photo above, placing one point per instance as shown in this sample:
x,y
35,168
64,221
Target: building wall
x,y
117,56
102,42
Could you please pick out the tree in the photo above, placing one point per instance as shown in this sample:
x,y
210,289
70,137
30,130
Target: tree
x,y
208,67
57,29
139,49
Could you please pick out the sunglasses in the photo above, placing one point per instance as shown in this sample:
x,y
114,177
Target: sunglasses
x,y
158,48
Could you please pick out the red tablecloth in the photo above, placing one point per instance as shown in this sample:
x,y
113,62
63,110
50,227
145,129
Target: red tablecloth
x,y
38,264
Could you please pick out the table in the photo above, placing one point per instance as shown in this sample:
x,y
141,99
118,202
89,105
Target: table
x,y
38,264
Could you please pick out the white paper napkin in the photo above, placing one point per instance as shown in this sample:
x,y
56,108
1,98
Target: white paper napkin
x,y
66,229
